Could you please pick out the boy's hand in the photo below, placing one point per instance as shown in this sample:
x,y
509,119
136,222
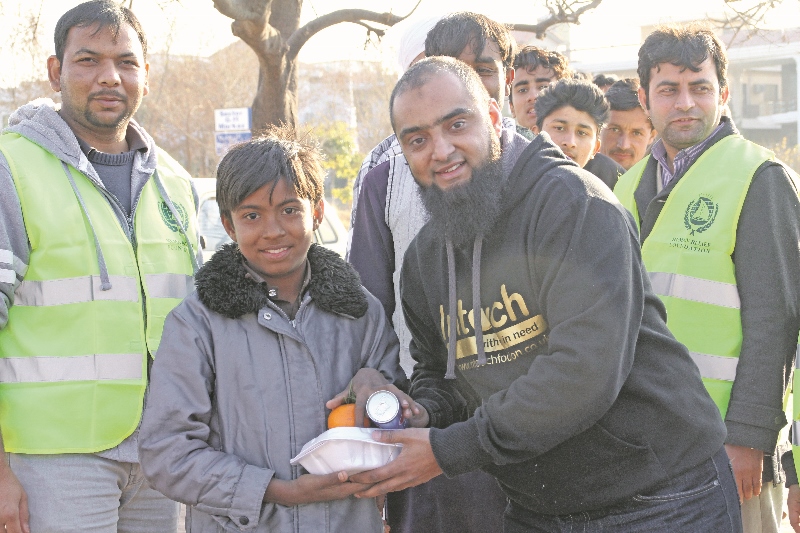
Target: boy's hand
x,y
368,380
310,488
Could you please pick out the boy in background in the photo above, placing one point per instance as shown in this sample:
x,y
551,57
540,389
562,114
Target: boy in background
x,y
573,112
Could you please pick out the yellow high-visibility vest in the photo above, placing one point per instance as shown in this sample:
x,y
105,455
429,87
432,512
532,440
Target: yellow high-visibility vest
x,y
688,255
73,356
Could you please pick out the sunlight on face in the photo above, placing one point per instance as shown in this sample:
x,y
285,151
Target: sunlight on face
x,y
575,132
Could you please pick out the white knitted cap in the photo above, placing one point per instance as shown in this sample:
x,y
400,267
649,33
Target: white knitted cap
x,y
412,43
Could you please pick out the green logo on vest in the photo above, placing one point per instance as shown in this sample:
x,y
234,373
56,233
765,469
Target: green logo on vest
x,y
169,219
700,214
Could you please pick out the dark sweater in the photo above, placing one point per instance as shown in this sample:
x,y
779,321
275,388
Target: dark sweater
x,y
605,168
587,406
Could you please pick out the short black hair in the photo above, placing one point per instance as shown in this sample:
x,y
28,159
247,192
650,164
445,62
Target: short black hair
x,y
277,154
421,73
685,46
453,33
582,95
623,95
604,80
531,57
104,13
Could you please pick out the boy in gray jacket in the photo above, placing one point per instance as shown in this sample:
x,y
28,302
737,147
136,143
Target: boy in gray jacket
x,y
278,325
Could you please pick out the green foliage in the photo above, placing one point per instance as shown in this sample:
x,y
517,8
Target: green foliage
x,y
788,154
342,158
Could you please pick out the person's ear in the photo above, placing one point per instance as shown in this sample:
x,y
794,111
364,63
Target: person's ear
x,y
509,79
54,73
318,213
643,100
227,223
724,94
596,146
496,116
146,79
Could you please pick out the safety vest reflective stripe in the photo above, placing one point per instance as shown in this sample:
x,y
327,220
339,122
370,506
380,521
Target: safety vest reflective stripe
x,y
44,369
75,290
7,275
169,285
87,289
695,289
16,266
715,366
796,433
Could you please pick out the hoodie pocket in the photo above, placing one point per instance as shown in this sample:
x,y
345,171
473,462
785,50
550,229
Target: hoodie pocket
x,y
592,470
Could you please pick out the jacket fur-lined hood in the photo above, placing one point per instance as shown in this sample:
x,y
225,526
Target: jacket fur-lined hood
x,y
223,287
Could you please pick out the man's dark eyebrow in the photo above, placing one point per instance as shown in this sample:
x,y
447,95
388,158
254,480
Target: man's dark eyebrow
x,y
452,114
522,83
95,53
666,83
86,51
485,59
543,80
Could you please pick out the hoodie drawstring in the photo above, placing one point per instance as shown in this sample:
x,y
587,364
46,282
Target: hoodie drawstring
x,y
105,281
163,192
452,303
451,290
477,312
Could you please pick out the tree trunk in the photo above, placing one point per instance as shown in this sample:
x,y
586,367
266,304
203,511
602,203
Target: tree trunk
x,y
275,101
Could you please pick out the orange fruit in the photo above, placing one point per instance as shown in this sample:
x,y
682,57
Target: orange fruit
x,y
344,416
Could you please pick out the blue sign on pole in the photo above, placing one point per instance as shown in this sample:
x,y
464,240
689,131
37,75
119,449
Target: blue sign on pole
x,y
224,140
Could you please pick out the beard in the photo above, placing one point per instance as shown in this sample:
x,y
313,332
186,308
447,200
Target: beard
x,y
79,109
464,211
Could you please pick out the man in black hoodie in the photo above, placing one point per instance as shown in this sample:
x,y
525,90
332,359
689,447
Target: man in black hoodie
x,y
572,393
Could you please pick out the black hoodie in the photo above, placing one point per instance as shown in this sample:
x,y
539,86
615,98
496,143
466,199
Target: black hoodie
x,y
586,399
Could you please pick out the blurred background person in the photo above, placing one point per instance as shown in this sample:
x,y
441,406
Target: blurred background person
x,y
628,134
573,112
534,70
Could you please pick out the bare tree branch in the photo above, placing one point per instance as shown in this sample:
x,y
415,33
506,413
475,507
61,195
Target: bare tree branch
x,y
357,16
371,29
244,10
744,16
561,11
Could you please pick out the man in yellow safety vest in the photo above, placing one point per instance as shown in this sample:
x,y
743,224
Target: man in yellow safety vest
x,y
98,242
719,222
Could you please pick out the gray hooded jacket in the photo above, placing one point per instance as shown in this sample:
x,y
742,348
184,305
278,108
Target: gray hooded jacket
x,y
237,389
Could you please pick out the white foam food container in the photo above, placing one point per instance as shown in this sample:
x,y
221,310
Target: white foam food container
x,y
348,449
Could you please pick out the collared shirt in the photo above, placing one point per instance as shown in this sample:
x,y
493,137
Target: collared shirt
x,y
683,159
290,308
